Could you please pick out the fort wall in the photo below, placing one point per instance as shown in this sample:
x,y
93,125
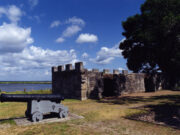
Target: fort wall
x,y
82,84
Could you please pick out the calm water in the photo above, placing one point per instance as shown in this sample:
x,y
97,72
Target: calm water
x,y
21,87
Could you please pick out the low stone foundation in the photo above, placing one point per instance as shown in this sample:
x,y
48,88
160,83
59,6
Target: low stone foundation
x,y
24,121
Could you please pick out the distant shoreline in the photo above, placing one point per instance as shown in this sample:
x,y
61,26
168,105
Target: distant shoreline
x,y
25,82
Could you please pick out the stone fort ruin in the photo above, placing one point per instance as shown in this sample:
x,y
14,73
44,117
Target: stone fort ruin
x,y
80,83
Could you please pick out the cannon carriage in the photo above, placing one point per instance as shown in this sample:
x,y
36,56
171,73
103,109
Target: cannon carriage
x,y
38,104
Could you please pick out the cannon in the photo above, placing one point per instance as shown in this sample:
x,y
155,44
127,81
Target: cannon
x,y
38,104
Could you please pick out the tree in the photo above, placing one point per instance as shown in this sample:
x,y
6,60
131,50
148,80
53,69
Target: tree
x,y
152,41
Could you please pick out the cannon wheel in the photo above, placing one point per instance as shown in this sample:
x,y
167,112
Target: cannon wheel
x,y
37,116
63,113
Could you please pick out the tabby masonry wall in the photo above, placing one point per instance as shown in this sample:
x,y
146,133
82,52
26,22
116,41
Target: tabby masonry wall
x,y
82,84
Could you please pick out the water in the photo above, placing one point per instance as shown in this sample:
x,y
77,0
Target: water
x,y
21,87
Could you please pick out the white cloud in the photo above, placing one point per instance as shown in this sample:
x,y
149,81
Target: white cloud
x,y
19,60
60,40
47,72
112,52
55,24
75,21
106,55
120,68
12,12
102,60
46,57
33,3
14,38
2,11
75,25
85,55
71,30
35,59
87,38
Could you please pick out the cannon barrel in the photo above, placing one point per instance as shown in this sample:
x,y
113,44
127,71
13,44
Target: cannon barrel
x,y
30,97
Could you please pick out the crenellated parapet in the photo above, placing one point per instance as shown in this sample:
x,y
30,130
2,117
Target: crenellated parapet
x,y
54,69
68,67
60,68
115,71
95,70
80,67
124,72
106,71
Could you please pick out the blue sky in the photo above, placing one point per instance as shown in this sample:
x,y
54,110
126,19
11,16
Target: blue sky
x,y
38,34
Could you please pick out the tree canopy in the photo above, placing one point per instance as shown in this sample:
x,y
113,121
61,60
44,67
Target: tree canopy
x,y
152,41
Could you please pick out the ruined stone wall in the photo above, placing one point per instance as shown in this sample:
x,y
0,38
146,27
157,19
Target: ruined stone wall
x,y
123,83
93,84
134,83
82,84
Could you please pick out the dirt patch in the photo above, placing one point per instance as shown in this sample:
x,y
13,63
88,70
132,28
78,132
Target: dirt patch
x,y
152,117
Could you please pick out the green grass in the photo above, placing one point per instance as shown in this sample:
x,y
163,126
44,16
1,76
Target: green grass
x,y
9,121
104,117
48,91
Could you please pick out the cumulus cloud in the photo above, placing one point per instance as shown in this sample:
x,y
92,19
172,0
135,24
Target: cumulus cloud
x,y
40,58
55,24
14,38
2,10
75,21
75,25
71,30
12,12
87,38
47,72
20,59
85,55
102,60
33,3
60,40
68,32
35,59
106,55
120,68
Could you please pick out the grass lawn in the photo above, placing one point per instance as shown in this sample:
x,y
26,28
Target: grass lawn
x,y
102,117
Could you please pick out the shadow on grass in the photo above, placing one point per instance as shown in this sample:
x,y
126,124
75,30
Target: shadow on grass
x,y
8,119
166,110
139,99
12,122
168,114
